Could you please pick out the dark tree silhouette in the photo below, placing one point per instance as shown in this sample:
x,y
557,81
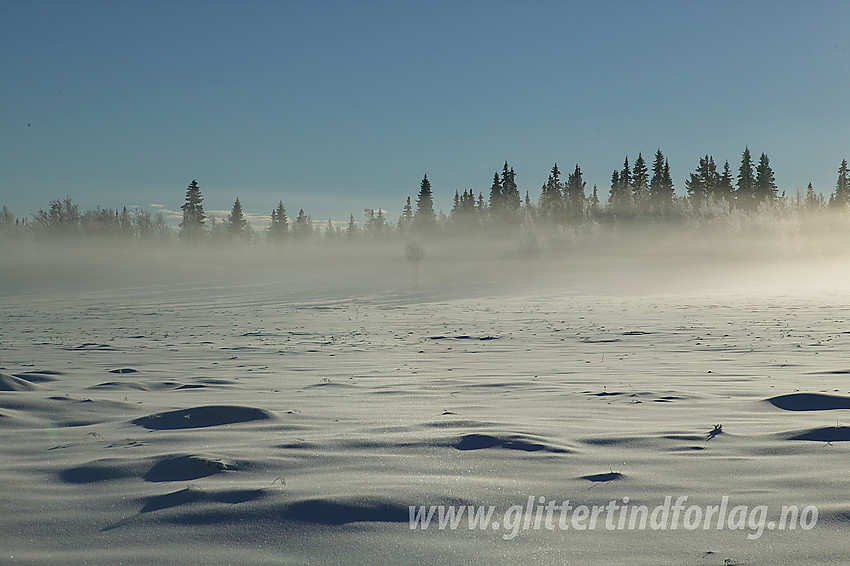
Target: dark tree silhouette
x,y
405,223
841,196
192,227
496,197
575,199
640,183
510,193
279,227
725,189
351,230
425,219
745,195
765,185
237,226
551,203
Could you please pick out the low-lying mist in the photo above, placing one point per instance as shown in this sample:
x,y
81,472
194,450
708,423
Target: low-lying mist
x,y
728,253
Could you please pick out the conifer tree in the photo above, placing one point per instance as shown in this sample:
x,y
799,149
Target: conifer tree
x,y
467,202
7,218
351,230
746,181
303,226
812,200
530,209
279,228
510,192
668,184
710,176
380,222
192,226
330,230
703,183
369,225
425,218
626,178
640,182
574,196
656,184
496,197
725,189
765,185
593,203
695,186
620,197
236,223
464,209
841,196
551,204
614,193
125,224
405,223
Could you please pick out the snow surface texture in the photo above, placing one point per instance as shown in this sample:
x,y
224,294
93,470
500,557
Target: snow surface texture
x,y
245,414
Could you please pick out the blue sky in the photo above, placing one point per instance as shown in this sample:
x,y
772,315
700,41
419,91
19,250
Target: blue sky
x,y
337,106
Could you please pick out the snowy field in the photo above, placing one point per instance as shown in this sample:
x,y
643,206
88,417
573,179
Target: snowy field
x,y
290,409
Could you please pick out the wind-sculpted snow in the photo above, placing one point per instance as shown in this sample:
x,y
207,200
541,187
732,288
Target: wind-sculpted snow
x,y
810,402
199,417
293,411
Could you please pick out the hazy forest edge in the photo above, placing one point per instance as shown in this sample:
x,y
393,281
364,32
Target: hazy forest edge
x,y
740,201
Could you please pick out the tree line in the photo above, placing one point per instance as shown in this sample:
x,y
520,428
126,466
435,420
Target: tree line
x,y
635,193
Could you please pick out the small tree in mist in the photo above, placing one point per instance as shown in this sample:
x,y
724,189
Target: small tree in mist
x,y
8,224
425,219
62,218
626,180
746,193
668,192
765,184
332,233
279,227
656,182
143,224
811,201
841,196
510,192
150,228
593,206
217,231
192,226
405,222
237,225
550,206
303,227
620,197
125,224
464,213
414,253
375,225
161,228
725,189
702,184
575,199
381,224
496,198
505,200
640,184
660,186
351,229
